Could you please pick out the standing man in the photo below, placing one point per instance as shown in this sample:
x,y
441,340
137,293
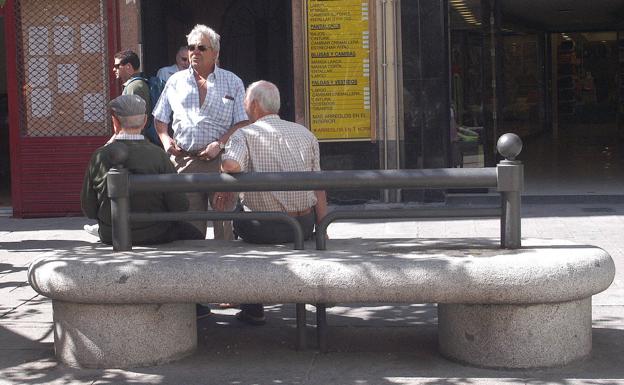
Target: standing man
x,y
126,69
181,63
128,115
207,106
271,144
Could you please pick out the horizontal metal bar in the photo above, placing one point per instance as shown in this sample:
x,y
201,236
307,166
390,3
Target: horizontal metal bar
x,y
224,216
321,180
454,212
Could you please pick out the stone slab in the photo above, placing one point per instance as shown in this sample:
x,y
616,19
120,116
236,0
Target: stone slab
x,y
399,270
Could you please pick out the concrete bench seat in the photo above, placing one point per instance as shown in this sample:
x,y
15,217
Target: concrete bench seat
x,y
528,307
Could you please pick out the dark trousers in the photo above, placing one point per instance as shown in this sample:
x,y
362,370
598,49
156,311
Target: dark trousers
x,y
273,232
178,231
270,232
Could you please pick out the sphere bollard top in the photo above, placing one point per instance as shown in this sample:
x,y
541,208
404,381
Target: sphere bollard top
x,y
509,146
117,154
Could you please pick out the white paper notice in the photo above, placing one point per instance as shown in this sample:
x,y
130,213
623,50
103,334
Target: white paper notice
x,y
38,72
63,40
41,102
93,107
38,41
67,78
91,38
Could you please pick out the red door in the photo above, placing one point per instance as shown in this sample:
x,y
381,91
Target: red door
x,y
58,70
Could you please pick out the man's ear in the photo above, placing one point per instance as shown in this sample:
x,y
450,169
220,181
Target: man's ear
x,y
116,124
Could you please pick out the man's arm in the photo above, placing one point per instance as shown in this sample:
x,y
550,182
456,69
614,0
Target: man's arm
x,y
230,166
88,196
320,209
168,143
213,149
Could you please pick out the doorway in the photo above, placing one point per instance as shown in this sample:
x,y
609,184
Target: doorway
x,y
256,38
583,154
5,169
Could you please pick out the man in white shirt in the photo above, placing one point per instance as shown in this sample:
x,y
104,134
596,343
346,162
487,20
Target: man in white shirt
x,y
181,63
271,144
207,106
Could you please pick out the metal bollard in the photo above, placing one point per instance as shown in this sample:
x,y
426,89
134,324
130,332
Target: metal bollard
x,y
510,183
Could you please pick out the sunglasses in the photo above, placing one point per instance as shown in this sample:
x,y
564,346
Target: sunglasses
x,y
202,48
117,65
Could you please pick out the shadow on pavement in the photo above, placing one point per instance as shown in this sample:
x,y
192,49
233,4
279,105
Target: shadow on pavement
x,y
368,344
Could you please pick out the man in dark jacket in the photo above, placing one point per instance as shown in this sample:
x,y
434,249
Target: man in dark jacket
x,y
129,117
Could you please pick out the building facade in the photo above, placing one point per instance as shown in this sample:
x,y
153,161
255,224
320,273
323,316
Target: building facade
x,y
383,84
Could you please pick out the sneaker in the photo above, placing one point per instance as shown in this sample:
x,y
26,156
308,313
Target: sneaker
x,y
202,311
250,319
92,229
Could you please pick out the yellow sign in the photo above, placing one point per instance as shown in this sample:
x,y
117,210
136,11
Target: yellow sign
x,y
339,69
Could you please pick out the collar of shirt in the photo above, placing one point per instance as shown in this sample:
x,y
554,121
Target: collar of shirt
x,y
124,136
269,117
214,73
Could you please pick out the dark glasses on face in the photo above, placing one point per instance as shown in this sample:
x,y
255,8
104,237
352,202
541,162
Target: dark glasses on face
x,y
202,48
117,65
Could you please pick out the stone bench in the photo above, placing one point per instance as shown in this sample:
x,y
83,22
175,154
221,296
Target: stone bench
x,y
528,307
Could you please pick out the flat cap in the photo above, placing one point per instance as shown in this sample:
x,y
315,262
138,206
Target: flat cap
x,y
127,105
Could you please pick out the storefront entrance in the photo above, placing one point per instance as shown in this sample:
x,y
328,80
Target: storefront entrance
x,y
256,38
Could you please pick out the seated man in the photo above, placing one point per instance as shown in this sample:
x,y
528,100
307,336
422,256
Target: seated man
x,y
271,144
129,117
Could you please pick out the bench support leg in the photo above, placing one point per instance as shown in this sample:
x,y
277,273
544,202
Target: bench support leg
x,y
123,336
516,336
301,326
321,327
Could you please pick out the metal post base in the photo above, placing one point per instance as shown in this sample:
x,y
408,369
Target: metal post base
x,y
321,327
301,326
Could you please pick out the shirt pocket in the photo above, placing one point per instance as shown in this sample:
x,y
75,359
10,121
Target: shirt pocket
x,y
224,109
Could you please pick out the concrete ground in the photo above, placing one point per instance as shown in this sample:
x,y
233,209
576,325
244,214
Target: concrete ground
x,y
369,343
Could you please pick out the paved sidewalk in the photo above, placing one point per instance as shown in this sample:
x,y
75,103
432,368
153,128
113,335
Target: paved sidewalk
x,y
369,344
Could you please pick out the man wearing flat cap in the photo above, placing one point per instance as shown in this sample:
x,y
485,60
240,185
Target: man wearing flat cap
x,y
129,117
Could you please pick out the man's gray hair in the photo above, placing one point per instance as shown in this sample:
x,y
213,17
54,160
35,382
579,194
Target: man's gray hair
x,y
131,122
201,30
266,94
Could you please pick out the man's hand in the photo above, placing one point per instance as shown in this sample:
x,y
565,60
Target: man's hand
x,y
222,201
172,147
211,151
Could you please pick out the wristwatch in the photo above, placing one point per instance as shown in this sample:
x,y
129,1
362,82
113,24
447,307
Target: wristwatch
x,y
221,145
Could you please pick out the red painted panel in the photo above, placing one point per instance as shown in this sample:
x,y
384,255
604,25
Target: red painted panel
x,y
47,172
10,42
51,174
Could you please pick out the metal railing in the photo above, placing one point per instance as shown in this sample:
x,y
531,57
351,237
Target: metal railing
x,y
507,177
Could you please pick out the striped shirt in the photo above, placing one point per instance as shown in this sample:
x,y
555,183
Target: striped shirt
x,y
195,126
275,145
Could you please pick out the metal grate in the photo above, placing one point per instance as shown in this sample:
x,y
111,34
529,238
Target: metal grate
x,y
62,71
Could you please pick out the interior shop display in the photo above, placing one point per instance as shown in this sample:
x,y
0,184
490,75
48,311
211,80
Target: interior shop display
x,y
567,78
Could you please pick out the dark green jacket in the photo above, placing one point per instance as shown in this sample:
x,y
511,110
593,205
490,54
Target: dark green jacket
x,y
143,158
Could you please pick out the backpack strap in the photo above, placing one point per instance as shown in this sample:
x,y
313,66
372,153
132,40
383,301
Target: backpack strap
x,y
132,79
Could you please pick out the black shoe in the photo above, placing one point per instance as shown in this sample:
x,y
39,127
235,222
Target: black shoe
x,y
250,319
202,311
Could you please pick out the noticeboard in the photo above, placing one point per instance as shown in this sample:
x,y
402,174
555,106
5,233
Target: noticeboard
x,y
339,69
